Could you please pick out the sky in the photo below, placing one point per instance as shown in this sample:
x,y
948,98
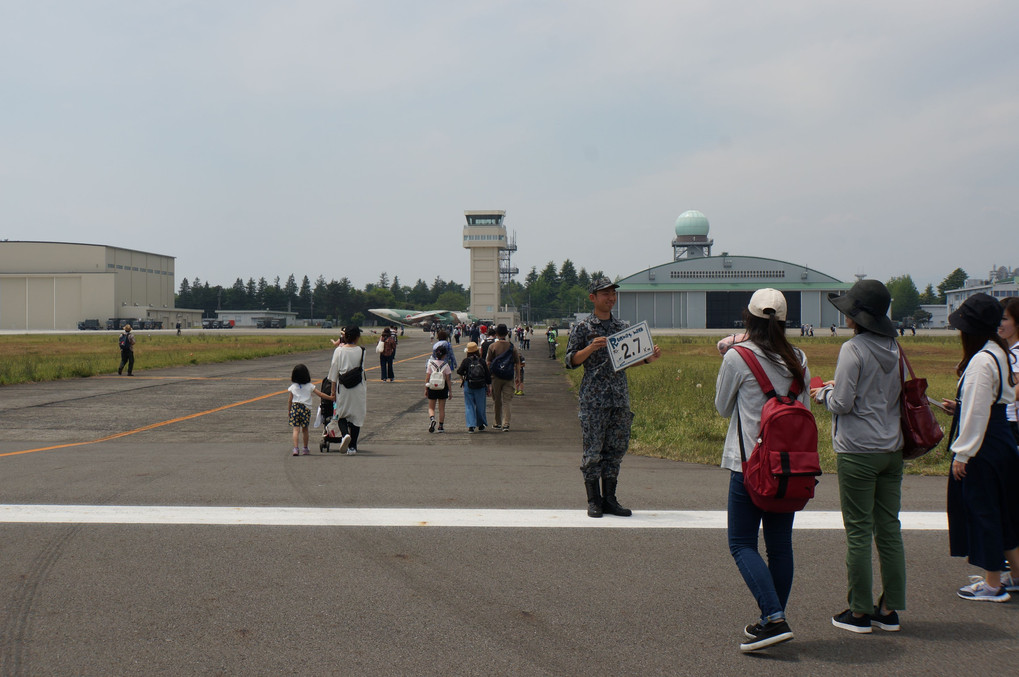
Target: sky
x,y
262,138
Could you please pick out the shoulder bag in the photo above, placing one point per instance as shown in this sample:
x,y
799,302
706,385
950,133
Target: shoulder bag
x,y
353,377
920,430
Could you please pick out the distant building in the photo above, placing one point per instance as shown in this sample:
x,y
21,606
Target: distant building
x,y
56,285
485,237
697,290
1001,282
261,319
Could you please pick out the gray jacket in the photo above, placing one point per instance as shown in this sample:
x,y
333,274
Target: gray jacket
x,y
736,384
865,397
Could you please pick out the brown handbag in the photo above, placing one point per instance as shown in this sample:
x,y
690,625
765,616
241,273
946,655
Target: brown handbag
x,y
920,430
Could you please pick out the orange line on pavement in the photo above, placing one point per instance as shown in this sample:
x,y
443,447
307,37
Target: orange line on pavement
x,y
163,423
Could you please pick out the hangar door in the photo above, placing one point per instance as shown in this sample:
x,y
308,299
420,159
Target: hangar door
x,y
725,308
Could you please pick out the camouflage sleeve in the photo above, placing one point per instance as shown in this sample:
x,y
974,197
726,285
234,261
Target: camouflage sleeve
x,y
578,341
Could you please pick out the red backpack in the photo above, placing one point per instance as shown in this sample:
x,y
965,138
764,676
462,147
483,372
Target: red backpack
x,y
779,477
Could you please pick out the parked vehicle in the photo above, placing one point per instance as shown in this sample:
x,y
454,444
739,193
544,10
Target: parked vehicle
x,y
91,325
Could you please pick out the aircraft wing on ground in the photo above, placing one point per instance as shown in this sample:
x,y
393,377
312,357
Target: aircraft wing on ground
x,y
419,318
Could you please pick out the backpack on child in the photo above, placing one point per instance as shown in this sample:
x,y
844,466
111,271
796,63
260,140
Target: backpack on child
x,y
502,365
436,380
124,342
779,476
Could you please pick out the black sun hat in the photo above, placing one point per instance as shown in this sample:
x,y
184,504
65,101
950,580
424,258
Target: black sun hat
x,y
867,303
980,314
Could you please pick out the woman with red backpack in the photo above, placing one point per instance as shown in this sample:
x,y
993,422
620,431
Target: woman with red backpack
x,y
739,395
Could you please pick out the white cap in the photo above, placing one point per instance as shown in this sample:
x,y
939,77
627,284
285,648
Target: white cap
x,y
767,299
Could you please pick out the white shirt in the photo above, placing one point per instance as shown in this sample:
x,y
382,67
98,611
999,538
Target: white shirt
x,y
302,393
1013,412
980,384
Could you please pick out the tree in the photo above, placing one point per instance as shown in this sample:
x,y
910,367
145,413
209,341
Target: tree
x,y
384,280
304,297
955,280
420,296
928,295
452,300
567,274
905,297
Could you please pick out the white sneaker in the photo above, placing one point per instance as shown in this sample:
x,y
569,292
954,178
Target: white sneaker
x,y
1010,584
344,443
351,451
981,592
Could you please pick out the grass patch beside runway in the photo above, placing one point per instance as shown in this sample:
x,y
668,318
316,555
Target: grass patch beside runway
x,y
27,358
674,399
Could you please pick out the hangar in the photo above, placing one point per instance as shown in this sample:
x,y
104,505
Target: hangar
x,y
55,285
696,290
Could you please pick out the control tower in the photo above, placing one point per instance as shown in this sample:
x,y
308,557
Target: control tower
x,y
485,237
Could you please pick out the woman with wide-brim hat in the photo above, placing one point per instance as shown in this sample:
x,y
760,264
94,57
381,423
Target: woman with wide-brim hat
x,y
983,486
867,438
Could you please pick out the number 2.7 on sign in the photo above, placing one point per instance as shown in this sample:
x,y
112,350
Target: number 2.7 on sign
x,y
630,346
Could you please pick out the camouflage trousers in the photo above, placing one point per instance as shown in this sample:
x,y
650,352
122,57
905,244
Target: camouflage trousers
x,y
606,436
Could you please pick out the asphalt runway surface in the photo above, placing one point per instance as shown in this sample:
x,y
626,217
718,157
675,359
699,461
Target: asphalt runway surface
x,y
158,525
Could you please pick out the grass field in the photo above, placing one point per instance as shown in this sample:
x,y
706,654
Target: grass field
x,y
674,399
26,358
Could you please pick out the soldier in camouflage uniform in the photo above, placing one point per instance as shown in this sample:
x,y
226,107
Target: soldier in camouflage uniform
x,y
605,414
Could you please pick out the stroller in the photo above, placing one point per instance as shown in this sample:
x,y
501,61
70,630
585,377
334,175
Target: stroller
x,y
332,432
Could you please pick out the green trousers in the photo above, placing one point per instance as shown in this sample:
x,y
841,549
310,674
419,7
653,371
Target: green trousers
x,y
870,488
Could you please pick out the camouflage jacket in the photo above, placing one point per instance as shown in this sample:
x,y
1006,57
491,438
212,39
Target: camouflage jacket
x,y
601,387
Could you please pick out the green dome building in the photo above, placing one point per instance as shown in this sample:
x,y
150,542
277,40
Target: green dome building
x,y
699,291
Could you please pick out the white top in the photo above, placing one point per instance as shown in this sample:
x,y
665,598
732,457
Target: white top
x,y
302,393
980,384
351,403
1013,410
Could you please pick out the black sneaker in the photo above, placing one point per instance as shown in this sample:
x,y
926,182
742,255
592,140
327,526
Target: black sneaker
x,y
761,636
431,426
481,428
470,430
847,621
888,621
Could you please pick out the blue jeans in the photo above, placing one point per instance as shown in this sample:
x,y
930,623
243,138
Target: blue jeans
x,y
474,406
769,582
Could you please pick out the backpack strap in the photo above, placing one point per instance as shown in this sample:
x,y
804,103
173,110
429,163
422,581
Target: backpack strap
x,y
756,369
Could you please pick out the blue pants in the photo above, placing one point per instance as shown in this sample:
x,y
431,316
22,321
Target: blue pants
x,y
474,406
386,367
769,582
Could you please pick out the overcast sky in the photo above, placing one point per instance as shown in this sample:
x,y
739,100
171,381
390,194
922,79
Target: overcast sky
x,y
258,138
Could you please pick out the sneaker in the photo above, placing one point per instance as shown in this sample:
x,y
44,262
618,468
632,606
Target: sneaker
x,y
297,452
981,592
351,452
304,451
888,621
431,426
761,636
441,429
481,428
847,621
505,428
1010,584
470,430
498,426
344,443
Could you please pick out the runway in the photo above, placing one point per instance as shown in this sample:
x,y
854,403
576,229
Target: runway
x,y
158,525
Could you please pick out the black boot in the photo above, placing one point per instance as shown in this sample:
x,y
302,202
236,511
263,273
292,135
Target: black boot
x,y
609,503
594,503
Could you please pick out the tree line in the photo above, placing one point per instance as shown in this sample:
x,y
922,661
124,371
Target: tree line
x,y
555,292
906,299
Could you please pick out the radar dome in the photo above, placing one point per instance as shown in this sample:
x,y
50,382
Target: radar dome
x,y
691,222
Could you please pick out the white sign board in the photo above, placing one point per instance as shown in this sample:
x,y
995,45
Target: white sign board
x,y
630,346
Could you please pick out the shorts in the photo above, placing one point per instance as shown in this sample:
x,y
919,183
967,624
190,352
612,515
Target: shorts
x,y
300,415
438,394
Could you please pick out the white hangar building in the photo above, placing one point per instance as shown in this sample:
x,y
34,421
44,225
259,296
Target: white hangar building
x,y
699,291
55,285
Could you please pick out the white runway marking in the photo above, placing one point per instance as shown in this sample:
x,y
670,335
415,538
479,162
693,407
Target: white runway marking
x,y
416,517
